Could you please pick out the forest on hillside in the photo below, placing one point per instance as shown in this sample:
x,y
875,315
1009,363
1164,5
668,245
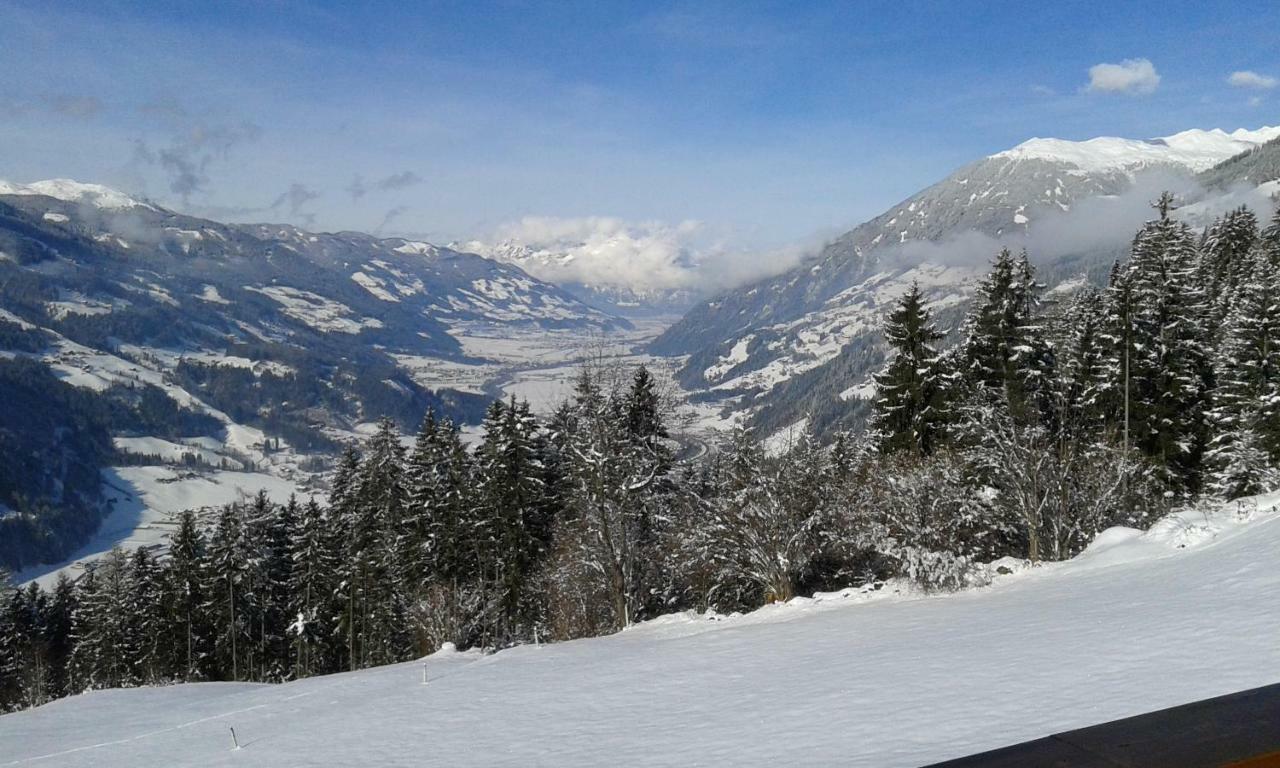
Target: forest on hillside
x,y
1046,424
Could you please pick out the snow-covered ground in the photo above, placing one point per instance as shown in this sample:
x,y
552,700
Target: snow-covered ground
x,y
1139,622
145,503
1196,149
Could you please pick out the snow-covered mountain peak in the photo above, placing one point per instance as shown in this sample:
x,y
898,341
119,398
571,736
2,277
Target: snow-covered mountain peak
x,y
1194,149
415,247
75,192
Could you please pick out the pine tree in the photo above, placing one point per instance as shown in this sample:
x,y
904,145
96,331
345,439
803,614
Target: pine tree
x,y
343,512
190,638
644,408
422,497
228,582
143,620
10,642
908,409
509,506
1005,351
101,624
58,634
1245,451
267,527
1169,374
379,527
1083,368
85,653
310,591
1269,240
1225,261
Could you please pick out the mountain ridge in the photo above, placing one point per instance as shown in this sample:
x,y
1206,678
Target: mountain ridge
x,y
812,316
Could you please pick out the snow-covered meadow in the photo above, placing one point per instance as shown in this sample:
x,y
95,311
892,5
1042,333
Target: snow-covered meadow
x,y
886,677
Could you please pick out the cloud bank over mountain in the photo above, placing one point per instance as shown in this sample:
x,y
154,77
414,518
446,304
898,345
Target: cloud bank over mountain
x,y
641,256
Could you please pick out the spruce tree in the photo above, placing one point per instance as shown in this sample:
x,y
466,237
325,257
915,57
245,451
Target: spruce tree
x,y
311,606
1005,352
1083,366
509,512
343,511
908,407
1169,373
1225,261
1245,450
58,634
143,621
190,636
228,582
10,642
376,536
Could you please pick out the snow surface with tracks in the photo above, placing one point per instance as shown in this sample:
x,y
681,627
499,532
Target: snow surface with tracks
x,y
1140,621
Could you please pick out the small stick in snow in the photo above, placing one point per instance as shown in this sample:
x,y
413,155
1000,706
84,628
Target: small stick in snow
x,y
234,740
424,673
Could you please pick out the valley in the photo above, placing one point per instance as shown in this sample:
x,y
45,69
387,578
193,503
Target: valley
x,y
665,383
235,325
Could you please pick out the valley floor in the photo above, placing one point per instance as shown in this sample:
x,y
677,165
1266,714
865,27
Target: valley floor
x,y
1141,621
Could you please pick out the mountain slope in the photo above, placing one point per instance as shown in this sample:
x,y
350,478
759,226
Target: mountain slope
x,y
1068,201
1255,167
251,349
1140,621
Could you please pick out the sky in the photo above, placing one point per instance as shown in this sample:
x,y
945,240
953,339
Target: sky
x,y
751,128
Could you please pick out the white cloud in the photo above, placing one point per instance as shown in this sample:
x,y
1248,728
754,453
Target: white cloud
x,y
1249,79
1132,76
604,251
597,250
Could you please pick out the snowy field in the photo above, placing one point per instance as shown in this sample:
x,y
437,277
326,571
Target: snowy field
x,y
1188,610
145,503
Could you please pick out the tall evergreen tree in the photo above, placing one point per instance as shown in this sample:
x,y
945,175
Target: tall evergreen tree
x,y
1169,374
376,537
1004,351
58,634
1083,366
1225,261
1245,450
311,606
343,523
509,509
143,619
10,641
189,641
228,582
908,407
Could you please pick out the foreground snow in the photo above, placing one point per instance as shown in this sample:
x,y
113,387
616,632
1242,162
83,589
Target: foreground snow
x,y
1139,622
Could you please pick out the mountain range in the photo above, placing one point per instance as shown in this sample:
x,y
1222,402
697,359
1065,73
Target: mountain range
x,y
262,348
801,346
132,334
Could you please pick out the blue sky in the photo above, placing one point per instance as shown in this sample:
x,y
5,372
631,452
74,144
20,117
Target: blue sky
x,y
767,123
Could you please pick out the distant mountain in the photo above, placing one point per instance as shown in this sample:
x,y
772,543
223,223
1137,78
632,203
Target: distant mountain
x,y
226,347
624,289
1255,167
124,276
802,344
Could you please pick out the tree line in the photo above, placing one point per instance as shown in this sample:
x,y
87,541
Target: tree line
x,y
1048,421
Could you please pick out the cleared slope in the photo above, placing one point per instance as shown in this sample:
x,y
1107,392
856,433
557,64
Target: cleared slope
x,y
1140,622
